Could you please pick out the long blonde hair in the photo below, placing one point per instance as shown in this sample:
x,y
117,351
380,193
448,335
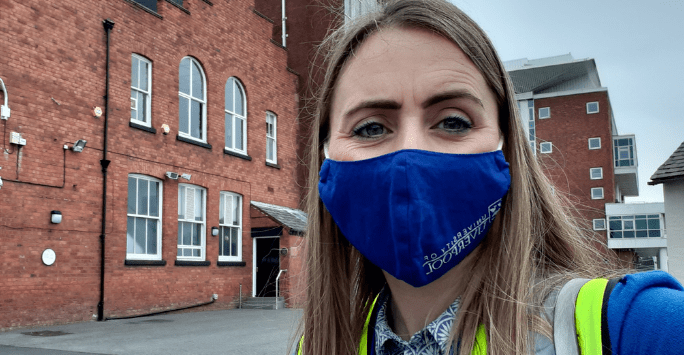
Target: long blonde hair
x,y
534,243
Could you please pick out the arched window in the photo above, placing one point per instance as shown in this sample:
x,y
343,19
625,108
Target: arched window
x,y
141,90
192,96
236,117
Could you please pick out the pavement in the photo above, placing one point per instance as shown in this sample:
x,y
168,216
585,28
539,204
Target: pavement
x,y
237,331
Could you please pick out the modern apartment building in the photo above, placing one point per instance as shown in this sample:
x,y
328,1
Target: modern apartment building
x,y
149,157
570,124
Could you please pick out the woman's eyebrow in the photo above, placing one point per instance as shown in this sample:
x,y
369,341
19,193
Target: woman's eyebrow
x,y
374,104
450,95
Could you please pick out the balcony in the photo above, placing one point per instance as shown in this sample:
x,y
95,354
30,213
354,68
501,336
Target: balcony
x,y
625,165
636,226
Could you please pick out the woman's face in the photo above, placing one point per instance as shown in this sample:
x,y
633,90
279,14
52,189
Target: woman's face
x,y
411,89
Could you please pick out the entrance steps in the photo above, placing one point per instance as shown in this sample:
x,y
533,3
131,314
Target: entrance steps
x,y
263,303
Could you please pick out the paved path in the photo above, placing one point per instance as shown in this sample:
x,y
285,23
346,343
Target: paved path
x,y
239,332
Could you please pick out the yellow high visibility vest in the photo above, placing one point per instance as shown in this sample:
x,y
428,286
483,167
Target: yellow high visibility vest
x,y
579,324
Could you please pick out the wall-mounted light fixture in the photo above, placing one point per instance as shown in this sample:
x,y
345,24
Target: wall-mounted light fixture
x,y
171,175
56,217
79,145
214,231
186,176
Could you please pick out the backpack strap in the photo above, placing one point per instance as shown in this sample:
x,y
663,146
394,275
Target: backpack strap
x,y
580,318
564,338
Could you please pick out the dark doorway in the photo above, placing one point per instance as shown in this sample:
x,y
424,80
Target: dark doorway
x,y
267,265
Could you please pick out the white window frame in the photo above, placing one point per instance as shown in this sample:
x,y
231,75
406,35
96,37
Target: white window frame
x,y
546,147
191,98
145,91
546,110
597,107
227,221
237,85
272,137
203,223
597,221
595,190
591,173
598,139
160,193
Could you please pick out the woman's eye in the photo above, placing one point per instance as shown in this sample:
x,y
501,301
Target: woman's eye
x,y
370,130
455,124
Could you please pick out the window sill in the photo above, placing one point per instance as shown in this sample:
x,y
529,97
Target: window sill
x,y
231,263
192,263
273,165
235,154
192,141
129,262
151,12
141,127
178,6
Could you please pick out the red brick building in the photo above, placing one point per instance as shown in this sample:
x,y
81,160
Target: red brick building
x,y
186,185
570,124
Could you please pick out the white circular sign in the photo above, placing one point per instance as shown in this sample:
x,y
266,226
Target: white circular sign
x,y
49,257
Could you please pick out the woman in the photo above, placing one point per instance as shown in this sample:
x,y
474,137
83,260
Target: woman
x,y
431,223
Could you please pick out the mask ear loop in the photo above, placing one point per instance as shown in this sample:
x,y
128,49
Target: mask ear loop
x,y
501,142
325,149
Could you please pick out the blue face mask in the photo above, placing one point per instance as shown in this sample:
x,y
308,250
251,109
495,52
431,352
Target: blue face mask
x,y
415,214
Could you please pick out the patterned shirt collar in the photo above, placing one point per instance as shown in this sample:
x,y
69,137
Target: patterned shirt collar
x,y
433,339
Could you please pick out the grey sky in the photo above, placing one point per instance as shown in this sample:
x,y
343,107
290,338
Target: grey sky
x,y
639,51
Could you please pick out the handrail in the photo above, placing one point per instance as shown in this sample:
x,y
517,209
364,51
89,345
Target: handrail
x,y
278,279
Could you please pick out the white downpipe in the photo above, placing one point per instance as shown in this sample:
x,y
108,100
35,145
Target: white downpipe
x,y
284,31
277,280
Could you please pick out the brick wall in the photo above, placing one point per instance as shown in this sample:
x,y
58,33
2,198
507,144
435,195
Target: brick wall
x,y
54,68
569,129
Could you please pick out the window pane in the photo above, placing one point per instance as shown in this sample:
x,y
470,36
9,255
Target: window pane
x,y
197,234
642,234
142,196
236,211
628,234
134,73
239,101
269,149
616,234
181,202
654,234
197,86
629,225
132,194
615,225
229,130
187,252
134,98
196,252
233,241
225,241
238,133
180,252
143,76
130,235
187,233
140,231
199,210
196,119
222,203
653,216
229,95
640,224
184,76
183,114
154,199
142,105
151,236
180,233
654,224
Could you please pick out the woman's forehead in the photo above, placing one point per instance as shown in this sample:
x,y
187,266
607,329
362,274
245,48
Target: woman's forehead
x,y
397,63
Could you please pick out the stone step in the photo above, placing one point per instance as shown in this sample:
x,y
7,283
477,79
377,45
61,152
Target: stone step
x,y
262,303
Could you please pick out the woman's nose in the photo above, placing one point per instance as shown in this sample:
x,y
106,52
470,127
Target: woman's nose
x,y
411,136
